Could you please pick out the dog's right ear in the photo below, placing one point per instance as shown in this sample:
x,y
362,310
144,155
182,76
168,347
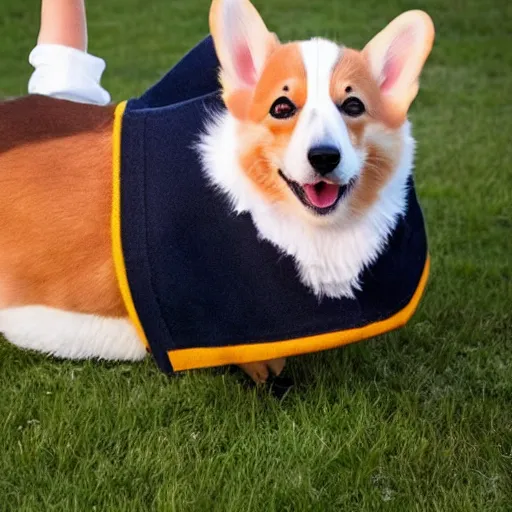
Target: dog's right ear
x,y
243,44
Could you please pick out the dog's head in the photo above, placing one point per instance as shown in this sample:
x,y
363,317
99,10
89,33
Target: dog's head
x,y
319,125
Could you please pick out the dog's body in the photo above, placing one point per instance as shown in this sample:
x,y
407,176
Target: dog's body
x,y
324,177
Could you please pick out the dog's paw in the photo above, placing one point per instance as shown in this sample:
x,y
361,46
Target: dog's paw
x,y
260,371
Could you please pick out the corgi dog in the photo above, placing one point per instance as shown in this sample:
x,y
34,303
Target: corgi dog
x,y
312,145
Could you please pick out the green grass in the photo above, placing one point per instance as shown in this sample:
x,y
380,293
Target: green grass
x,y
416,420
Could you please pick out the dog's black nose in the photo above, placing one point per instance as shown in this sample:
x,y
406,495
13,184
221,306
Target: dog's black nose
x,y
324,159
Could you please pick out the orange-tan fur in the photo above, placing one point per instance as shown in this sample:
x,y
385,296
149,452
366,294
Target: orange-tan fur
x,y
55,204
262,138
352,71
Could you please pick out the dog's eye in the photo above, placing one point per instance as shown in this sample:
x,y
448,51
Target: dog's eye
x,y
282,108
353,107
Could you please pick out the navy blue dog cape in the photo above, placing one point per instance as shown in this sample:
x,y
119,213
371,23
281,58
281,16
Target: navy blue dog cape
x,y
200,286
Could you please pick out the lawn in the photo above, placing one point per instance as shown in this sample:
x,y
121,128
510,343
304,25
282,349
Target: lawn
x,y
417,420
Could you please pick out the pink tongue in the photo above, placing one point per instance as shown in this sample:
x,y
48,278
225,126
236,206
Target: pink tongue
x,y
322,196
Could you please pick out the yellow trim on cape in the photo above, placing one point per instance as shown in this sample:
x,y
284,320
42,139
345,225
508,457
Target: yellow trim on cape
x,y
188,359
115,225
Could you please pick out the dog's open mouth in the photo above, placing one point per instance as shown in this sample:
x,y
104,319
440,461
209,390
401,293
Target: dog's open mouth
x,y
321,197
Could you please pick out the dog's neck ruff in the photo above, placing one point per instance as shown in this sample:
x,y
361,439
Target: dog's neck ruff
x,y
329,258
207,286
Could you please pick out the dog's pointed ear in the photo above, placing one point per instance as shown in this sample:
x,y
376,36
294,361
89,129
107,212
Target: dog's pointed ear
x,y
396,56
242,42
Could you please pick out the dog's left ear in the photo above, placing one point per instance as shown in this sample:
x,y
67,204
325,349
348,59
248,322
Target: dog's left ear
x,y
396,56
243,44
